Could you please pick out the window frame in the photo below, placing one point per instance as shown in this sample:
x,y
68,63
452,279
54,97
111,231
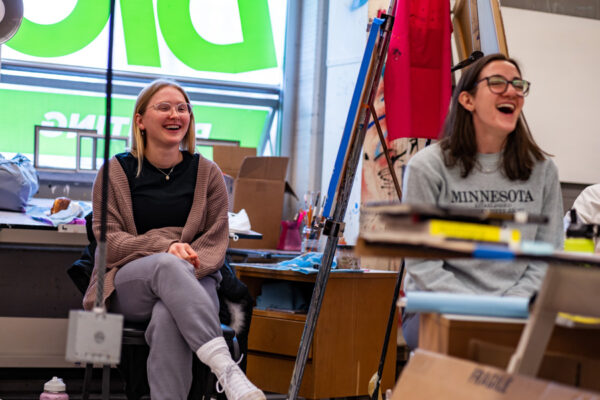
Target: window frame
x,y
229,93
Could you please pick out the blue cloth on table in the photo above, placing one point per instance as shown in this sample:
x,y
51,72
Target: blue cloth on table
x,y
307,263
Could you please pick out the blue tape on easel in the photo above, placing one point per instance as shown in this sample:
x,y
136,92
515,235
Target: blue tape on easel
x,y
493,252
352,113
537,248
467,304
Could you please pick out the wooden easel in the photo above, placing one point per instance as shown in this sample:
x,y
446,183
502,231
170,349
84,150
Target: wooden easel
x,y
568,289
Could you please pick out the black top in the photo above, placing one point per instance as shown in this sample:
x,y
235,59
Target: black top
x,y
158,202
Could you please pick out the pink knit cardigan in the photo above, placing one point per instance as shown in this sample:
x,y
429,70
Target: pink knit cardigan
x,y
207,221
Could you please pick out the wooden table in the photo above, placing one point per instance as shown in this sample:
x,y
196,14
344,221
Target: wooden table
x,y
20,228
572,356
452,334
36,293
347,341
568,285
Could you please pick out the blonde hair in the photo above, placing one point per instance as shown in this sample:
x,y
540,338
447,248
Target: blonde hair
x,y
139,139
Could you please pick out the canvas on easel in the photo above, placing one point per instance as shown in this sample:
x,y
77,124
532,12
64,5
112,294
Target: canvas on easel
x,y
478,25
407,118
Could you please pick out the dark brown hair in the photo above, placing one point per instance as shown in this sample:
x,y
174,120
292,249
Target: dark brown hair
x,y
458,141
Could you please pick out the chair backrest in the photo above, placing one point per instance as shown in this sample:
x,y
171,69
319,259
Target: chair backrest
x,y
80,271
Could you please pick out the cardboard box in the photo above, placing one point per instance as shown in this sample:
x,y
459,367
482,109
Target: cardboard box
x,y
430,376
259,189
451,334
230,158
555,367
589,373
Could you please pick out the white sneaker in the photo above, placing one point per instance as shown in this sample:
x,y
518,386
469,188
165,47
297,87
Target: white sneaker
x,y
236,385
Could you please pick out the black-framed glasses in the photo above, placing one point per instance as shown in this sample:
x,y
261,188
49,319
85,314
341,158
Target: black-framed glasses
x,y
499,84
165,107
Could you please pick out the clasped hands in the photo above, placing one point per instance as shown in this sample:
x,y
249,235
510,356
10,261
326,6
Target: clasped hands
x,y
185,252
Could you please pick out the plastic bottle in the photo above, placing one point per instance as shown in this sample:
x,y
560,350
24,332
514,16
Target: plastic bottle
x,y
310,240
580,236
54,389
290,236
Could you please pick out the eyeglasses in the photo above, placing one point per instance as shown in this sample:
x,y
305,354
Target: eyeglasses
x,y
165,107
499,84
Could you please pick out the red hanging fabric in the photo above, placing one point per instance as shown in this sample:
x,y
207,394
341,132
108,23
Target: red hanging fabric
x,y
417,79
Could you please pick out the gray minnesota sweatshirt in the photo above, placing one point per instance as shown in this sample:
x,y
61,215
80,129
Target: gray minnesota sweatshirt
x,y
428,181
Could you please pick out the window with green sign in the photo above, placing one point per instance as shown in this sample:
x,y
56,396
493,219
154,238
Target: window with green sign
x,y
227,54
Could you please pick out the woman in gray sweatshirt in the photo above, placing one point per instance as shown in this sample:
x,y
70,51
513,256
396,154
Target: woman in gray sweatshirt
x,y
486,159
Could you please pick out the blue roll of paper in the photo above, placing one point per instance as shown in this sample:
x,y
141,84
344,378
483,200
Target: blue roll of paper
x,y
468,304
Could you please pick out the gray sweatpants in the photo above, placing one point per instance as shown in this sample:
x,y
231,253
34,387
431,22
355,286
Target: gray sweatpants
x,y
183,313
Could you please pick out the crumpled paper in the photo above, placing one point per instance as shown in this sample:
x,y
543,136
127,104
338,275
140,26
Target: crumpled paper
x,y
74,214
239,222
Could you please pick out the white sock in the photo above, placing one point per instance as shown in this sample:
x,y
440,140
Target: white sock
x,y
215,354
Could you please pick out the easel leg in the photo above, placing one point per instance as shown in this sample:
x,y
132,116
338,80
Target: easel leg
x,y
391,318
530,351
388,330
536,335
385,151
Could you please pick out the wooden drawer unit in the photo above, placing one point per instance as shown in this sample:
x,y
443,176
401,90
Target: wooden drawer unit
x,y
276,332
278,373
347,341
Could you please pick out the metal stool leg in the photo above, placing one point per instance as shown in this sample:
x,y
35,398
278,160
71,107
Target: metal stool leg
x,y
105,382
87,379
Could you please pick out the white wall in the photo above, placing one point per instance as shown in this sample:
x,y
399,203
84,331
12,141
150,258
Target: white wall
x,y
560,55
346,41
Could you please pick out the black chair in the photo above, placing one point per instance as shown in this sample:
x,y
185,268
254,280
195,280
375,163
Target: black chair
x,y
137,381
135,351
